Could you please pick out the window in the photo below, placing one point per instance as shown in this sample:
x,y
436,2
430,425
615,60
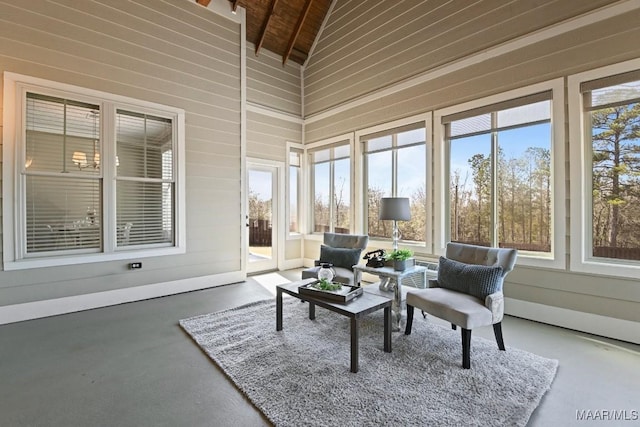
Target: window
x,y
609,108
330,175
61,175
96,176
500,175
395,166
144,179
503,172
295,174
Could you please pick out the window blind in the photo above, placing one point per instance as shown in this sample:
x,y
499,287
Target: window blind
x,y
407,135
145,181
63,194
507,114
341,150
612,90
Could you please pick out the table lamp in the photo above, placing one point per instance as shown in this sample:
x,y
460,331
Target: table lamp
x,y
395,209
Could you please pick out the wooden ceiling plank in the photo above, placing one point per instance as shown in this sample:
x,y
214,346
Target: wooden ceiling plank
x,y
263,33
296,31
204,3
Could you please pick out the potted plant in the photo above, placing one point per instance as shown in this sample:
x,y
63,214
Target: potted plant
x,y
400,258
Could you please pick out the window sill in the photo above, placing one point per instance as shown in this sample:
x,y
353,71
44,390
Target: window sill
x,y
612,268
30,263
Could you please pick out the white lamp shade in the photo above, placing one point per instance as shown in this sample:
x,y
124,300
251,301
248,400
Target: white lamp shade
x,y
395,208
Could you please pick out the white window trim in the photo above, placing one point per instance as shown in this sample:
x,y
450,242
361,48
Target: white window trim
x,y
360,202
301,189
307,178
581,258
441,172
12,157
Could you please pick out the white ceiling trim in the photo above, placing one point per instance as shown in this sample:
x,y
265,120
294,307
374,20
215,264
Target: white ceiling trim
x,y
270,112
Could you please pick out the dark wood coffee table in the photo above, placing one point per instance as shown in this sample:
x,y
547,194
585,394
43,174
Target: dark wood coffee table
x,y
354,310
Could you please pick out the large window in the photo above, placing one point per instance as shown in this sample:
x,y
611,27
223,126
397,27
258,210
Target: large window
x,y
94,177
395,166
610,146
500,164
500,174
330,175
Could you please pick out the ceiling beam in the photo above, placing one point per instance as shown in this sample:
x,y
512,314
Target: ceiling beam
x,y
204,3
263,33
296,31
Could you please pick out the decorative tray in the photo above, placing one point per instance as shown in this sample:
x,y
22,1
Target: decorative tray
x,y
343,295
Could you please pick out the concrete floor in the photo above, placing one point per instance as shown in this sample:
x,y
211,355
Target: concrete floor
x,y
132,365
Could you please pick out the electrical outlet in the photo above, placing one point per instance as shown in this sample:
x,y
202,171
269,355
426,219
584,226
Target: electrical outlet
x,y
135,265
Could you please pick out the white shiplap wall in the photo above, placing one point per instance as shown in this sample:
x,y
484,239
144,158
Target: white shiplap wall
x,y
172,52
370,44
272,85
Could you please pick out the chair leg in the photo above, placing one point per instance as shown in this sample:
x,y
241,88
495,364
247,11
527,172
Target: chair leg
x,y
466,348
453,326
497,331
407,329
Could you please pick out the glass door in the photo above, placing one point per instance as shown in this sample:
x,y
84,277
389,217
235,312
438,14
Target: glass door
x,y
262,208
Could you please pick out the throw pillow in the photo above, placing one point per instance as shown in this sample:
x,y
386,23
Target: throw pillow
x,y
340,257
472,279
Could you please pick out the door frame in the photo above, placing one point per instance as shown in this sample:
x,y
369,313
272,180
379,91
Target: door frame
x,y
278,214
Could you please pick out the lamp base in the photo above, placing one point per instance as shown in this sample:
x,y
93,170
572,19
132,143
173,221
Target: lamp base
x,y
395,235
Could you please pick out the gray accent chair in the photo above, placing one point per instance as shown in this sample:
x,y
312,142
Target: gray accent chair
x,y
462,309
343,274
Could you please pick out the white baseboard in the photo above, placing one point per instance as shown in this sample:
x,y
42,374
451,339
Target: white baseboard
x,y
624,330
37,309
290,264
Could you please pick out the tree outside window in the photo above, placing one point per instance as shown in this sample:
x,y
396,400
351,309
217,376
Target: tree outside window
x,y
500,176
613,114
331,189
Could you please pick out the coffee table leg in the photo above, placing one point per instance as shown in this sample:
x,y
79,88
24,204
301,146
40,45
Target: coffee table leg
x,y
387,329
278,310
396,305
355,335
312,311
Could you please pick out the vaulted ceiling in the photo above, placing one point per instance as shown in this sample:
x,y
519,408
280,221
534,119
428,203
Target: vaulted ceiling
x,y
285,27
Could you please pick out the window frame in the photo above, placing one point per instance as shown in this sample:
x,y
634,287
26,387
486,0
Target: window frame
x,y
580,146
442,171
347,140
425,120
14,108
293,146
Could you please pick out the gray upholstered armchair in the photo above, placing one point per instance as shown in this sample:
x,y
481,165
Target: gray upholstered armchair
x,y
468,292
343,252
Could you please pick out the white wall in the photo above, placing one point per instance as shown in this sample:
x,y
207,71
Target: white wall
x,y
170,52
